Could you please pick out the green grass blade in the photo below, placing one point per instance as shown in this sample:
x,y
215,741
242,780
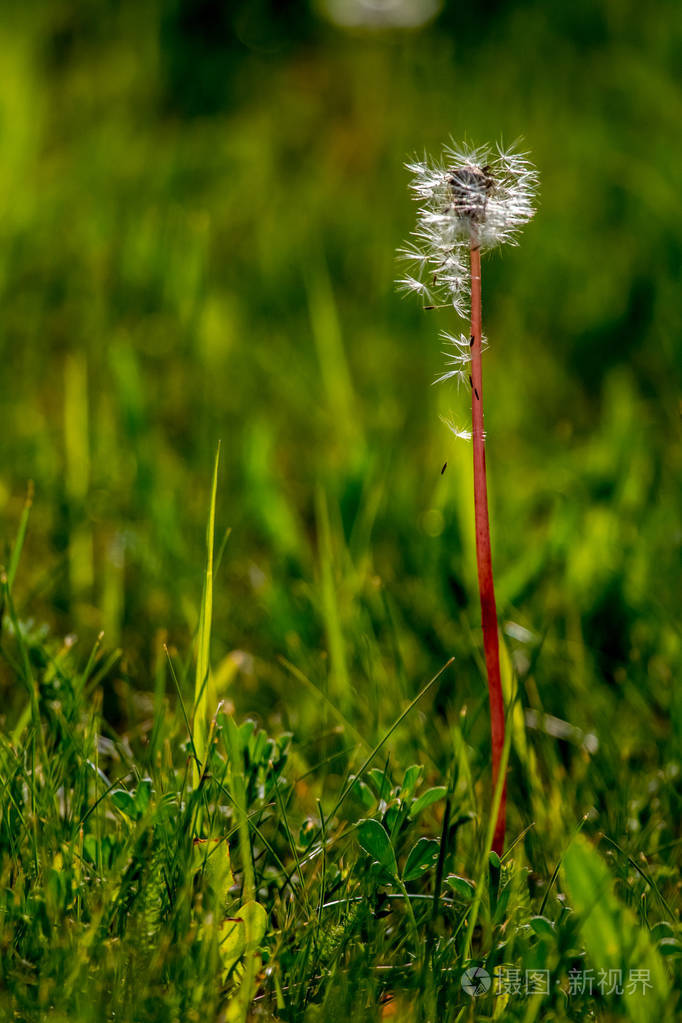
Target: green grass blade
x,y
339,678
494,809
21,536
200,729
398,721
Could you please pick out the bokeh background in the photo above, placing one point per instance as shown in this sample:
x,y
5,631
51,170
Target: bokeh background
x,y
200,204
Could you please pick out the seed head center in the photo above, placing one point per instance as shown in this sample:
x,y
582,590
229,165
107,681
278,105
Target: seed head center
x,y
469,188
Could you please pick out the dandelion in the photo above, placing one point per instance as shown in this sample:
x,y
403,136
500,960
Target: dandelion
x,y
470,201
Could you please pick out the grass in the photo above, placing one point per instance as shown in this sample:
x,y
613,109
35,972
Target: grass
x,y
161,290
146,877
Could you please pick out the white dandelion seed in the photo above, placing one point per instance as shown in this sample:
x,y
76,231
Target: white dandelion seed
x,y
457,357
412,285
452,426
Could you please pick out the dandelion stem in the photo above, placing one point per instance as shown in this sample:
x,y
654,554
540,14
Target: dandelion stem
x,y
483,552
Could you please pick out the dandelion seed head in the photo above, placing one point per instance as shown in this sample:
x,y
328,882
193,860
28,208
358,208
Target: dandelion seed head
x,y
470,196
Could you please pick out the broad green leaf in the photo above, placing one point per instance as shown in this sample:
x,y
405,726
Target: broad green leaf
x,y
542,926
256,921
364,794
257,747
90,848
394,816
246,731
380,781
427,799
374,840
96,851
143,795
422,857
461,886
613,936
239,798
212,855
240,934
500,905
590,887
124,802
661,930
412,778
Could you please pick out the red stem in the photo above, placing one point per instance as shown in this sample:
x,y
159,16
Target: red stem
x,y
483,553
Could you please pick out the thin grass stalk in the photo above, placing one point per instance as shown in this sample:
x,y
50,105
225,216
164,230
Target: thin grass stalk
x,y
483,552
203,666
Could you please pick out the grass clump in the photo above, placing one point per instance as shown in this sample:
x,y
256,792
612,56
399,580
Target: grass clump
x,y
142,881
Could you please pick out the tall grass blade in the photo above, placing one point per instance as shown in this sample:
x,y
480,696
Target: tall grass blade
x,y
200,722
340,680
21,536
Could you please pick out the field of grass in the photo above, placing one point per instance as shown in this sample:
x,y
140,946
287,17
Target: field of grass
x,y
200,206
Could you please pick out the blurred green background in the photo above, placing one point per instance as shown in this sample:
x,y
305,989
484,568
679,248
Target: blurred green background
x,y
200,204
